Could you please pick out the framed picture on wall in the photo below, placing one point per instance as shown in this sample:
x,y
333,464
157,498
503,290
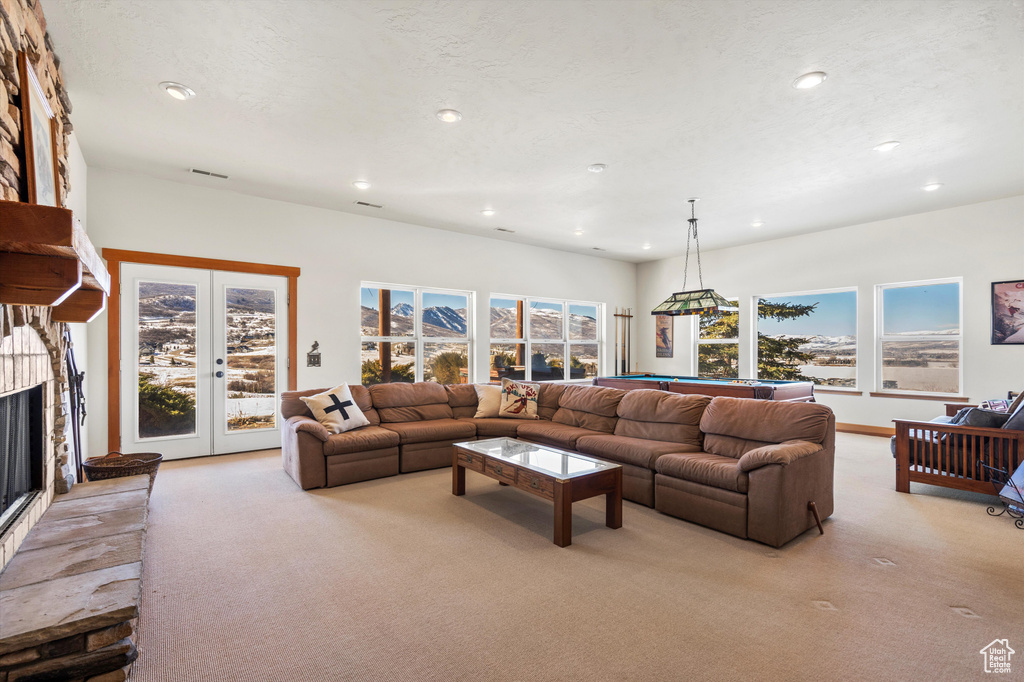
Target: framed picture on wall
x,y
662,336
1008,312
39,132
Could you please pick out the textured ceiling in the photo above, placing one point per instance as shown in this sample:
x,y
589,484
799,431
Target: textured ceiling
x,y
298,98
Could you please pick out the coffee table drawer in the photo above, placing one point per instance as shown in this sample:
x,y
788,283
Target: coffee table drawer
x,y
503,471
471,460
535,483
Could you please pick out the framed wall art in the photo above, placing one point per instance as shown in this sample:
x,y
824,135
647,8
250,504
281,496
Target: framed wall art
x,y
662,336
39,132
1008,312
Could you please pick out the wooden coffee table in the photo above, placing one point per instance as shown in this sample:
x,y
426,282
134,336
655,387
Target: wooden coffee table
x,y
557,475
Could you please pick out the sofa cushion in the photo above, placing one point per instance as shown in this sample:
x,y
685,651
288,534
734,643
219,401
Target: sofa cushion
x,y
421,401
657,415
552,433
313,427
636,451
705,468
493,427
360,440
547,399
1016,420
589,407
462,399
432,430
292,405
782,454
732,426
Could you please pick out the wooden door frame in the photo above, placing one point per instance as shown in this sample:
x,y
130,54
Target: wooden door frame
x,y
117,256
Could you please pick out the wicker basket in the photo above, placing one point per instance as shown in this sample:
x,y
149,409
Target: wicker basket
x,y
117,465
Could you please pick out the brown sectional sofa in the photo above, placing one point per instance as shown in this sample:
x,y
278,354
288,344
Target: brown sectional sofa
x,y
745,467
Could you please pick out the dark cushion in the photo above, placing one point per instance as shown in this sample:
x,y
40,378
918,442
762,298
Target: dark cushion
x,y
705,468
589,407
636,451
975,416
432,430
493,427
657,415
766,420
552,433
421,401
462,399
547,399
360,440
1016,420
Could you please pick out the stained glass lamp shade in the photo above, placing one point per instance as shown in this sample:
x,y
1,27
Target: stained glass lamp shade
x,y
694,303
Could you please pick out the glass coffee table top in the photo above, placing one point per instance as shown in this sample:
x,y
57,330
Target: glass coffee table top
x,y
540,458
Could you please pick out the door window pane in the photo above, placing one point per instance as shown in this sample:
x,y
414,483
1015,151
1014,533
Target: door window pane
x,y
506,318
167,359
399,308
582,360
925,365
446,363
545,320
547,361
445,315
388,361
508,361
808,337
250,317
582,322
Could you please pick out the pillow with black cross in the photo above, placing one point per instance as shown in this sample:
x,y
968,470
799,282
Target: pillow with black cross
x,y
336,410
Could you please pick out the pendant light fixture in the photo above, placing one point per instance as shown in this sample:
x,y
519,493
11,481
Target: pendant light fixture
x,y
696,301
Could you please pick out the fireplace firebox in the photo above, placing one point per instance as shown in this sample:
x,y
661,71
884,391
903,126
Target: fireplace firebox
x,y
21,452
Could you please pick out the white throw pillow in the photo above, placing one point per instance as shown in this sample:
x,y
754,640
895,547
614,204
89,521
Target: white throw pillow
x,y
488,400
336,410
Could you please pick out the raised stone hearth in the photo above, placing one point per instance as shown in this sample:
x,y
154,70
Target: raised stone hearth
x,y
69,598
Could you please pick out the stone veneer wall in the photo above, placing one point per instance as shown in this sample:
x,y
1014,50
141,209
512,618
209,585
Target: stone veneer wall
x,y
31,346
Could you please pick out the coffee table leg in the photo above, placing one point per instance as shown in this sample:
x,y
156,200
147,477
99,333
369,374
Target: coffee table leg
x,y
613,503
458,477
563,514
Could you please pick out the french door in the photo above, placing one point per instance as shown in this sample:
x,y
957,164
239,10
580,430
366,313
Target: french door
x,y
204,359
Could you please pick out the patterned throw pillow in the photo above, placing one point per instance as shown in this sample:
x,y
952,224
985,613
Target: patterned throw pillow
x,y
336,410
518,399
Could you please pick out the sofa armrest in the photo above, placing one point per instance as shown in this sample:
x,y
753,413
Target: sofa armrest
x,y
310,426
780,453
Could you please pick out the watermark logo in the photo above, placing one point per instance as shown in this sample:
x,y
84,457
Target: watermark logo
x,y
997,656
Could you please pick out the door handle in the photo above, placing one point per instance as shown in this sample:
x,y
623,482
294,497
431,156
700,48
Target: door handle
x,y
220,361
219,374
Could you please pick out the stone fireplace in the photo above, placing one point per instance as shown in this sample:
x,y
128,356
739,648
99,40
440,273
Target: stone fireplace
x,y
32,357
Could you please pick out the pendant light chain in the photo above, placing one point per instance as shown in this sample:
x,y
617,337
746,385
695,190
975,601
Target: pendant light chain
x,y
692,230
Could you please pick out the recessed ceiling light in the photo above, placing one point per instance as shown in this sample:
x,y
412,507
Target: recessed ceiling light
x,y
596,167
449,116
361,184
488,211
931,187
645,247
886,146
757,223
810,80
578,233
177,90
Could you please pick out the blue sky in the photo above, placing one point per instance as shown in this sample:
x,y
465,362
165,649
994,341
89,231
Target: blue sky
x,y
935,307
371,298
836,315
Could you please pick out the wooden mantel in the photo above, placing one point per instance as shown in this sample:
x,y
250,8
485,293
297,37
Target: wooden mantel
x,y
46,259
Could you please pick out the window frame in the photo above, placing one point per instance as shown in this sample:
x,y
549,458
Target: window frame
x,y
697,341
755,303
418,339
881,337
566,342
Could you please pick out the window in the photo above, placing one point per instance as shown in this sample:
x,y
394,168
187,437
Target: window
x,y
718,344
919,339
414,334
808,336
536,339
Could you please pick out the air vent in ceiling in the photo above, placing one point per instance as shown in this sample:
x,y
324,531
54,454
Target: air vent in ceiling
x,y
208,173
505,229
367,203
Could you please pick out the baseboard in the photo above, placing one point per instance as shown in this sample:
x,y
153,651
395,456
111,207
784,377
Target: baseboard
x,y
866,430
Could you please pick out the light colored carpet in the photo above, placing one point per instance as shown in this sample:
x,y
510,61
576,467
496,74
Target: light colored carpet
x,y
247,577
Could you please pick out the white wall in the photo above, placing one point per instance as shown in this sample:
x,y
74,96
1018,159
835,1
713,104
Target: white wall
x,y
77,201
983,243
336,251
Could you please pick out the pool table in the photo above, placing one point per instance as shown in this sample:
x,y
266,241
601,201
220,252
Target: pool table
x,y
766,389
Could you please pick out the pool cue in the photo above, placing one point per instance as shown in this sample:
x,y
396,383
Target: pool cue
x,y
616,356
